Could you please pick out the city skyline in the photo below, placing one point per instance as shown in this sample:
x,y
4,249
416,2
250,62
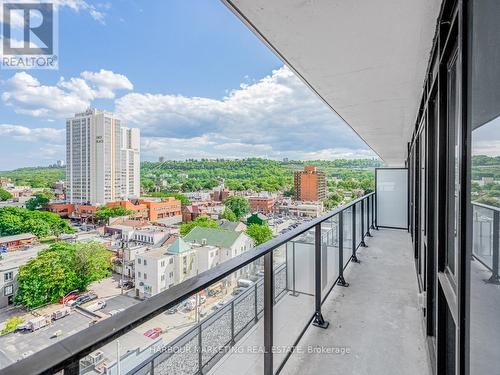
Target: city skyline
x,y
197,107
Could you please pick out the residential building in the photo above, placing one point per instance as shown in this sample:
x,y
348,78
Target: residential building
x,y
231,243
198,196
220,193
310,184
103,158
167,210
9,268
298,208
263,204
237,226
64,210
5,182
161,268
210,209
60,190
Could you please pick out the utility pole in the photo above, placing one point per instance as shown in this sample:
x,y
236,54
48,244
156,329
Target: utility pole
x,y
123,265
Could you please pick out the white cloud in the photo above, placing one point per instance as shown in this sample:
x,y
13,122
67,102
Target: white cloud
x,y
83,6
26,95
24,133
17,21
106,82
276,116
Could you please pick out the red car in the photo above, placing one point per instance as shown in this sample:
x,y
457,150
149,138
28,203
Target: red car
x,y
153,333
68,298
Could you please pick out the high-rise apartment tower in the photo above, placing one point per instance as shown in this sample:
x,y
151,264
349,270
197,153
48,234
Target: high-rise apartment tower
x,y
103,158
310,184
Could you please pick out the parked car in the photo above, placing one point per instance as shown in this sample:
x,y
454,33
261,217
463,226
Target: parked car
x,y
176,308
34,324
153,333
244,283
190,304
219,305
114,312
68,298
96,306
84,298
237,291
128,284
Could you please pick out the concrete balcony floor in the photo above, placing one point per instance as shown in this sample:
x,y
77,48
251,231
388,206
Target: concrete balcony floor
x,y
377,317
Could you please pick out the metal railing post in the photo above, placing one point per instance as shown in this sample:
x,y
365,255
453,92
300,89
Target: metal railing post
x,y
200,351
318,317
341,281
363,224
354,258
373,212
495,278
294,292
232,323
368,209
268,313
256,310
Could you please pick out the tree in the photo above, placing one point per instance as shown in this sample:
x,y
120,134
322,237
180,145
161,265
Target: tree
x,y
200,221
184,200
61,268
44,279
4,195
333,200
91,262
11,324
228,214
16,220
105,213
238,205
39,201
259,233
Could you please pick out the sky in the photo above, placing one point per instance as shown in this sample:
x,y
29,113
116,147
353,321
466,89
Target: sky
x,y
188,73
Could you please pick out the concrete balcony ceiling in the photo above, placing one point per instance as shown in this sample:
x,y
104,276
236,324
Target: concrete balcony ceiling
x,y
366,59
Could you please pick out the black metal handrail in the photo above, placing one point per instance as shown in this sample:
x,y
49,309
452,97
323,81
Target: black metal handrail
x,y
66,353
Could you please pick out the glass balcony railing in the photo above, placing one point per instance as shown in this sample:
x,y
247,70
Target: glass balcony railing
x,y
486,232
245,315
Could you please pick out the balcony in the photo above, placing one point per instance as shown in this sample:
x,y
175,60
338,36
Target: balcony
x,y
335,283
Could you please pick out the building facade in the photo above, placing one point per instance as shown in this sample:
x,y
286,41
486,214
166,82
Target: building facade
x,y
161,268
310,184
103,158
264,204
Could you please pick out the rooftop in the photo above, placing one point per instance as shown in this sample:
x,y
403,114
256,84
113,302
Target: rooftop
x,y
17,237
216,237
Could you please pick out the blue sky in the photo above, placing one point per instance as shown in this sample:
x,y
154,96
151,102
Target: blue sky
x,y
188,73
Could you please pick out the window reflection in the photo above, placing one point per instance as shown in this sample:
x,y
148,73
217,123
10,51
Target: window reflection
x,y
485,189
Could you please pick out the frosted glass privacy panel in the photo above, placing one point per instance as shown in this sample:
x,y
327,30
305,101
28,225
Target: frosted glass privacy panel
x,y
392,197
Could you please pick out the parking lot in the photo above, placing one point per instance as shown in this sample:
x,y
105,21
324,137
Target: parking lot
x,y
17,345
